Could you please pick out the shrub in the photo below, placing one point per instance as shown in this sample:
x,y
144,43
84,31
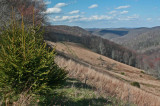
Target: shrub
x,y
122,73
143,72
25,62
136,84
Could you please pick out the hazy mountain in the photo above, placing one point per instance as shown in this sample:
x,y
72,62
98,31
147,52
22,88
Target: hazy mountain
x,y
143,40
109,33
118,35
147,40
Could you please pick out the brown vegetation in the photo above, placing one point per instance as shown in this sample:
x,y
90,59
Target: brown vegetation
x,y
109,85
107,68
94,43
145,39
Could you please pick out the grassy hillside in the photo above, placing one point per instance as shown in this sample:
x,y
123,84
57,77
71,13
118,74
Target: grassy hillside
x,y
72,93
109,76
96,44
145,57
77,93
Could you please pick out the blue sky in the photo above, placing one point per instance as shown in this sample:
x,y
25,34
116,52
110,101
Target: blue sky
x,y
104,13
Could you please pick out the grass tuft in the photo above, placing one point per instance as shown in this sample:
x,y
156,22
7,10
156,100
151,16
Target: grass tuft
x,y
136,84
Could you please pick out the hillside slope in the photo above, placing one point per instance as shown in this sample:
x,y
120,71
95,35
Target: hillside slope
x,y
144,42
145,39
115,71
94,43
75,30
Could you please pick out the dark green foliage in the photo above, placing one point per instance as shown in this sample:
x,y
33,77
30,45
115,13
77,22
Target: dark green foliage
x,y
122,73
25,63
142,72
136,84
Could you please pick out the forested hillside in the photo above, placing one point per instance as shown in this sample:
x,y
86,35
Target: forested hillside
x,y
147,44
144,41
95,43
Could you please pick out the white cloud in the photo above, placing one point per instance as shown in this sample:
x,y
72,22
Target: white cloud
x,y
55,9
59,5
133,17
115,13
128,18
149,19
123,7
65,18
47,2
93,6
82,12
74,12
112,12
96,17
124,12
80,18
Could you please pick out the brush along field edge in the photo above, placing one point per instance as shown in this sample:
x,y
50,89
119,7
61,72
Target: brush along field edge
x,y
107,84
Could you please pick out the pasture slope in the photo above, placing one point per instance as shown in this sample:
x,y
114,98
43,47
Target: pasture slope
x,y
106,75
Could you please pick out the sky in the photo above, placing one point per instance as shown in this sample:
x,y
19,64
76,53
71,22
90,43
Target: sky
x,y
104,13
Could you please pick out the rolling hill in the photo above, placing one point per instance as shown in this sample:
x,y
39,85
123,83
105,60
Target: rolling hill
x,y
94,43
144,41
102,64
106,75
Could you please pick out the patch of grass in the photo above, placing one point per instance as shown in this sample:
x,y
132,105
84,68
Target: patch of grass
x,y
136,84
70,50
75,93
100,58
143,72
122,73
109,67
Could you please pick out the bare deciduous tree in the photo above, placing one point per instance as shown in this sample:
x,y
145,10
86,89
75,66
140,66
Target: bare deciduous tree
x,y
30,9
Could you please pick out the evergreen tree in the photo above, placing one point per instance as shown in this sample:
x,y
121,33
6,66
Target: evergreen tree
x,y
25,62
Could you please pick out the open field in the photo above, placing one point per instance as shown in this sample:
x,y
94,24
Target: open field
x,y
109,76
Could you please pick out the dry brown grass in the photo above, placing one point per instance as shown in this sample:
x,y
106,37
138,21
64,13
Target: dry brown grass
x,y
113,68
109,85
